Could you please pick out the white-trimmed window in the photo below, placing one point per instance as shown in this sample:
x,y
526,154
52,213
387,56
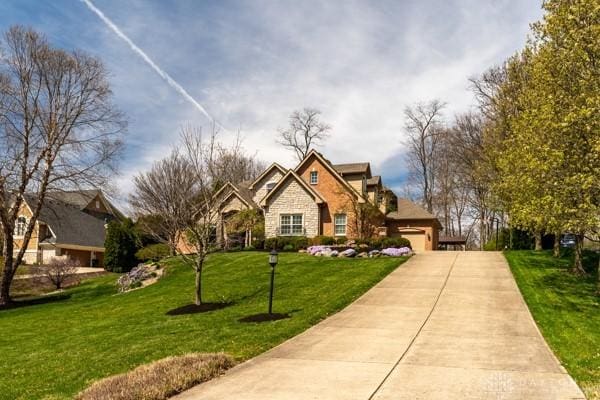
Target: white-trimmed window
x,y
291,224
21,226
314,177
270,185
339,224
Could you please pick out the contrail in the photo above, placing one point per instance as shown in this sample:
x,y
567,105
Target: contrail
x,y
170,81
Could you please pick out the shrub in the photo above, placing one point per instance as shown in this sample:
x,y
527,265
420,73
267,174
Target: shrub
x,y
249,248
287,243
258,244
341,239
57,272
271,243
153,252
323,240
120,246
375,243
161,379
395,242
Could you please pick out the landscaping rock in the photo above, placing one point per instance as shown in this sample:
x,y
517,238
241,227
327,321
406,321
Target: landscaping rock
x,y
302,251
393,252
363,254
374,253
348,253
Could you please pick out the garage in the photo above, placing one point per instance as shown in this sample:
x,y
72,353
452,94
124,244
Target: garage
x,y
415,224
417,240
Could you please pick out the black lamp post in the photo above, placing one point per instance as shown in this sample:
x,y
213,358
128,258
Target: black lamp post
x,y
273,262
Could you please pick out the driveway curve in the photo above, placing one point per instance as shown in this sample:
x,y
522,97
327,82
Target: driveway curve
x,y
445,325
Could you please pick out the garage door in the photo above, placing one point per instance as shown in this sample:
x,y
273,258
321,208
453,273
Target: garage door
x,y
417,241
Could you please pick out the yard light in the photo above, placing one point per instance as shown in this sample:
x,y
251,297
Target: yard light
x,y
273,256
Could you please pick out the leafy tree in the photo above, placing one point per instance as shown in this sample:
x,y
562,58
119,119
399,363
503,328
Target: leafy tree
x,y
120,246
247,221
550,161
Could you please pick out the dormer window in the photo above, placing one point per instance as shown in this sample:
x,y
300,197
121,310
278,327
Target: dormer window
x,y
314,177
97,204
270,186
21,226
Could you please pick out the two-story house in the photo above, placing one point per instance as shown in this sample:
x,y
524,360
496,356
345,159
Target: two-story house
x,y
321,198
71,224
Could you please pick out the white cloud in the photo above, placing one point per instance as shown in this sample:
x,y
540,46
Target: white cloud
x,y
251,64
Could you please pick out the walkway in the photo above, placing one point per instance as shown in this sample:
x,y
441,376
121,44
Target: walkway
x,y
445,325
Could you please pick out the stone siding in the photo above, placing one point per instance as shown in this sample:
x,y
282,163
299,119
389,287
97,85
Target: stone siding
x,y
292,198
260,189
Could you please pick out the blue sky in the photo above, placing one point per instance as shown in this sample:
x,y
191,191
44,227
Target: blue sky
x,y
251,63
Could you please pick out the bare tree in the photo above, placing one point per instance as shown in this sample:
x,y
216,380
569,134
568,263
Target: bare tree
x,y
58,129
424,130
183,189
58,271
160,198
305,130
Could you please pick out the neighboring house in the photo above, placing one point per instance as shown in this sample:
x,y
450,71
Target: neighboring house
x,y
71,224
321,198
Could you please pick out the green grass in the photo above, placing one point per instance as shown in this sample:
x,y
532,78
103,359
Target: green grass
x,y
566,309
54,350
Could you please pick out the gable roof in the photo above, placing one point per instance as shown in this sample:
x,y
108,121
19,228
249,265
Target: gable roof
x,y
266,172
82,198
374,180
69,225
293,175
353,168
409,210
327,164
242,193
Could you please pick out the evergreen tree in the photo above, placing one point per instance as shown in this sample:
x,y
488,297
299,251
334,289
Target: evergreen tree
x,y
121,244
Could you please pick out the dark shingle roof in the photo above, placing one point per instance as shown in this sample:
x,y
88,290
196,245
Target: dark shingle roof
x,y
374,181
81,198
69,224
352,168
409,210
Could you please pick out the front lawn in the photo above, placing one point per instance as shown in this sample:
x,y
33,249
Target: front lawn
x,y
566,309
54,349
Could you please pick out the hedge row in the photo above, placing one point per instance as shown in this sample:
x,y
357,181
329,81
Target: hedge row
x,y
295,243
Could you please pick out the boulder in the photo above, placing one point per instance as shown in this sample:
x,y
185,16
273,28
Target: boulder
x,y
301,251
348,253
363,254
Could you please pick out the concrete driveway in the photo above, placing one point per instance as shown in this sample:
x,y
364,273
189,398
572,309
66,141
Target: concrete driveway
x,y
445,325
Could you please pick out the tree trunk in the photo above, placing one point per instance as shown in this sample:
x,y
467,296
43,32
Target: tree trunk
x,y
578,261
198,292
556,248
538,241
7,273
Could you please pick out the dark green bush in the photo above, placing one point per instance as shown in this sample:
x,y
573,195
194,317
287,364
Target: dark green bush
x,y
396,242
153,252
323,240
286,243
341,239
120,246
